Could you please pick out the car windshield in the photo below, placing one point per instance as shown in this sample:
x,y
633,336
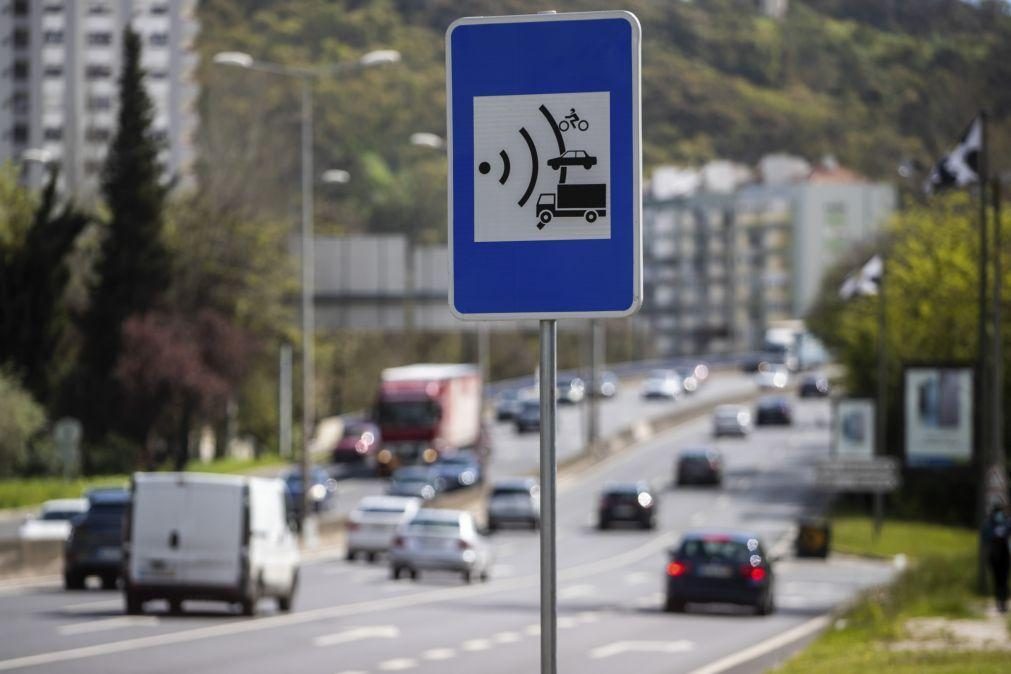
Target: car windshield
x,y
454,461
410,481
387,510
57,515
510,491
407,413
715,550
106,514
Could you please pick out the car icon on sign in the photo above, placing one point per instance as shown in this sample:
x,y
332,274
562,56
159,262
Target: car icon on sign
x,y
573,158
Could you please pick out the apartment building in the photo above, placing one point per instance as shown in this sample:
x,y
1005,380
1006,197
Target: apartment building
x,y
59,70
729,251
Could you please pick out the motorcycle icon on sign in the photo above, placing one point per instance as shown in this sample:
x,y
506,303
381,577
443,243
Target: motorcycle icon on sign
x,y
572,121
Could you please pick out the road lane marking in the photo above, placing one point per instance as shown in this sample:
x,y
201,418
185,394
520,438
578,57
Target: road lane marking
x,y
619,647
236,627
532,630
574,591
474,645
764,647
587,617
567,622
398,664
506,637
116,623
353,671
88,606
438,654
638,577
357,634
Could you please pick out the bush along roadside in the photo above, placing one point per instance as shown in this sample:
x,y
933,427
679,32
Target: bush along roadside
x,y
929,620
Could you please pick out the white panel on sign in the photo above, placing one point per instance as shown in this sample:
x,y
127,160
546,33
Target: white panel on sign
x,y
542,167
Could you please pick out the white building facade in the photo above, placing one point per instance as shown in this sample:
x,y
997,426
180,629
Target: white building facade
x,y
60,62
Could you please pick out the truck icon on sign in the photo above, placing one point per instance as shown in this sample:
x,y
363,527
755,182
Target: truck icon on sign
x,y
572,201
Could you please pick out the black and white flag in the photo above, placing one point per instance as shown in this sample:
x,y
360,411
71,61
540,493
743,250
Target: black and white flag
x,y
960,167
864,281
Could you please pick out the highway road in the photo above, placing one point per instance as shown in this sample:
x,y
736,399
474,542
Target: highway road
x,y
350,618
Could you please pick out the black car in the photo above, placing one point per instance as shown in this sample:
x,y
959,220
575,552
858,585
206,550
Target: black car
x,y
457,471
95,546
720,567
699,466
814,386
528,419
773,411
633,502
322,491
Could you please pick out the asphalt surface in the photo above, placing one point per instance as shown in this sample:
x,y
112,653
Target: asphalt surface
x,y
350,618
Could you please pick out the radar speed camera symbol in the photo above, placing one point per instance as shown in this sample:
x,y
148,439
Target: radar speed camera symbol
x,y
542,167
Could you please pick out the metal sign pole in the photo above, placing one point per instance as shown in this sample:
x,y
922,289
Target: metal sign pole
x,y
549,576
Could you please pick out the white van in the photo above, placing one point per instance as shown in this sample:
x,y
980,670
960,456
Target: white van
x,y
201,536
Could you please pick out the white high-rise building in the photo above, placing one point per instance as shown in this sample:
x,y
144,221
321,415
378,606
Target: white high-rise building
x,y
59,83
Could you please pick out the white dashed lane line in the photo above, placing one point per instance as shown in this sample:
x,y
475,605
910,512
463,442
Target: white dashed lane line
x,y
109,624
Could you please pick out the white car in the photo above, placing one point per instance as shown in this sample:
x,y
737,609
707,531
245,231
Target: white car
x,y
514,500
440,540
772,377
731,420
665,384
53,523
374,521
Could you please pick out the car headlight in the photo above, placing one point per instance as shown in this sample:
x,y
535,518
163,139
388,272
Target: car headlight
x,y
645,500
317,492
384,456
429,455
467,477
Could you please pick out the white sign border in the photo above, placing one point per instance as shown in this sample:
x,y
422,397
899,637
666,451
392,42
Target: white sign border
x,y
637,293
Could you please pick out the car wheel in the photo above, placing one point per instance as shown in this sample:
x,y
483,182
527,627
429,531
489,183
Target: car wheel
x,y
350,555
175,606
649,524
766,606
395,572
134,604
603,524
674,606
590,216
73,581
109,582
535,524
484,575
285,601
248,605
415,574
371,557
492,526
466,577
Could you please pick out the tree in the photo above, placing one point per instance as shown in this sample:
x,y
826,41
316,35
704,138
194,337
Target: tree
x,y
21,418
134,268
34,275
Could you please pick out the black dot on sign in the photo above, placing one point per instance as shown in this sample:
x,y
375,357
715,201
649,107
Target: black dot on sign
x,y
484,167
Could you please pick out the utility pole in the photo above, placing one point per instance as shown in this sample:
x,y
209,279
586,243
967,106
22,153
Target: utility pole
x,y
998,463
284,401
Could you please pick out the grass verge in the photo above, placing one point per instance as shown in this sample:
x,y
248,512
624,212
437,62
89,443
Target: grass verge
x,y
20,493
939,581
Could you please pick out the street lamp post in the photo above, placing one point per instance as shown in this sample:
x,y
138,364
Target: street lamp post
x,y
306,75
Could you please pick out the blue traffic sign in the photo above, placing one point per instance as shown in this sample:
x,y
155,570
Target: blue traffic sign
x,y
544,135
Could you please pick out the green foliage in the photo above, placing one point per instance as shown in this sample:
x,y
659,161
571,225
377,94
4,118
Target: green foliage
x,y
134,267
938,582
871,82
21,419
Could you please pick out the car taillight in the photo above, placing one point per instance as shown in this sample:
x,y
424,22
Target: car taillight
x,y
398,542
754,573
675,569
463,545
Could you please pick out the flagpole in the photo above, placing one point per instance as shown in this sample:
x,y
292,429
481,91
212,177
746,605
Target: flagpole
x,y
882,411
981,359
998,459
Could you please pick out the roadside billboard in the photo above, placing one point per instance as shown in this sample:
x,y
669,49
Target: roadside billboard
x,y
853,429
939,415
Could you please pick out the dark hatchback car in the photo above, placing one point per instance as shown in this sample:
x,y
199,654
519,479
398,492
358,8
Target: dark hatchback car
x,y
528,419
634,503
322,491
457,471
722,568
95,546
418,481
773,411
699,466
814,386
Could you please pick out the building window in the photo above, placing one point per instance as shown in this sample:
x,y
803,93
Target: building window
x,y
92,167
99,39
20,133
20,7
21,37
99,103
53,37
53,70
20,102
159,39
158,74
21,70
98,8
52,133
53,8
160,136
97,134
159,9
98,72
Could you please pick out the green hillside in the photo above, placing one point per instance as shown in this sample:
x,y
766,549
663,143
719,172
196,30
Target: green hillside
x,y
870,81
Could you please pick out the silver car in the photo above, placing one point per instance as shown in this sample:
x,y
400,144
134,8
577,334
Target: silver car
x,y
731,420
374,521
514,500
440,540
